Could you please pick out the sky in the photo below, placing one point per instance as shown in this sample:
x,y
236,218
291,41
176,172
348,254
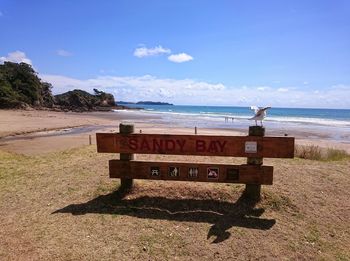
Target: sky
x,y
229,53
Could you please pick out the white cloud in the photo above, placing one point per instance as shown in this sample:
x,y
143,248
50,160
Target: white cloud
x,y
180,58
145,52
282,89
64,53
340,87
263,88
189,91
16,57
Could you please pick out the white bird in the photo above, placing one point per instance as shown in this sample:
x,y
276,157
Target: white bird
x,y
260,114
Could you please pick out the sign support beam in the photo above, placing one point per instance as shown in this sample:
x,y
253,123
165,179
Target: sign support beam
x,y
253,191
126,183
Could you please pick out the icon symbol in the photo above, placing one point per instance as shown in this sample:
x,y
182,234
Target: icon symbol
x,y
155,171
212,173
193,172
174,171
232,174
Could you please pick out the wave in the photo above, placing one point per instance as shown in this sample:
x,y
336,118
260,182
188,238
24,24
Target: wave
x,y
219,117
317,121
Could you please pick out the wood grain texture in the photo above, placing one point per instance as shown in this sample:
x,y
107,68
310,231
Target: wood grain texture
x,y
202,145
244,174
126,183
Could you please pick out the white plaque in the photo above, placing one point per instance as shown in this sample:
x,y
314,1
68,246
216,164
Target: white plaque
x,y
251,147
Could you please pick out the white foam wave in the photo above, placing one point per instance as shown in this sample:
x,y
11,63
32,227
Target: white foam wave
x,y
317,121
212,116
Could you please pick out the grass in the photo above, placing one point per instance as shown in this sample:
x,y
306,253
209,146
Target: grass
x,y
335,154
32,188
342,257
277,202
313,236
314,152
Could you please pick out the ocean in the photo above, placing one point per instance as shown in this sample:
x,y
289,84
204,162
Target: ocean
x,y
334,123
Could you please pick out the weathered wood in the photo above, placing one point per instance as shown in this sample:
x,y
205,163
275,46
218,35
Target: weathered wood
x,y
126,183
126,128
202,145
253,191
256,131
245,174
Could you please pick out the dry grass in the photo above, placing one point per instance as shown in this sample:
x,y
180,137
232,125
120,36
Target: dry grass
x,y
63,206
313,152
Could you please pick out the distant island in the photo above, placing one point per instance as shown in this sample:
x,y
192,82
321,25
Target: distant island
x,y
145,103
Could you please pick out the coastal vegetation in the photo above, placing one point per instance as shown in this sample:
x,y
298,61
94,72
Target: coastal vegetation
x,y
21,87
79,100
314,152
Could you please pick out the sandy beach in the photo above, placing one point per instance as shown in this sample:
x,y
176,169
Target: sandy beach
x,y
57,201
37,132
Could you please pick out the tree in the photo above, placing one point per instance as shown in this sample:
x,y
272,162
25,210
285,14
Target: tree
x,y
19,84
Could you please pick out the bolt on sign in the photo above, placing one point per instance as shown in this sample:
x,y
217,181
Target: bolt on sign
x,y
201,145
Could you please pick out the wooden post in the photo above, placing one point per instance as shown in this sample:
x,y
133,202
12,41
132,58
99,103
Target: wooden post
x,y
195,130
89,139
126,183
253,191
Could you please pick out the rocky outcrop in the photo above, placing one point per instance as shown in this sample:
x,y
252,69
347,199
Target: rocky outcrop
x,y
79,100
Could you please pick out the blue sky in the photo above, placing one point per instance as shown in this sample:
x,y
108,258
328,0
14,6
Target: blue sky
x,y
278,53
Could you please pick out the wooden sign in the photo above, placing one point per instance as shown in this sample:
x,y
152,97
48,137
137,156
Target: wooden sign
x,y
255,147
234,146
248,174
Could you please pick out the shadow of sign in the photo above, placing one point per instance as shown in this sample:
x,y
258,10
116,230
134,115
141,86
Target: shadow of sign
x,y
222,215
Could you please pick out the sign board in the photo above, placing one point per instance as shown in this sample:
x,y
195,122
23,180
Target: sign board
x,y
248,174
202,145
251,147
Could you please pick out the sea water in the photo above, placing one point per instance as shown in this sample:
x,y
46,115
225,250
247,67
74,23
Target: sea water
x,y
333,122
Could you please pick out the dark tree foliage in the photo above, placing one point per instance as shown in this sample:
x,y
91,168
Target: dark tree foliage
x,y
106,99
97,92
46,94
76,99
20,85
79,100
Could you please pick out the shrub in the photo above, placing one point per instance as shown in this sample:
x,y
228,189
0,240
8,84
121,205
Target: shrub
x,y
317,153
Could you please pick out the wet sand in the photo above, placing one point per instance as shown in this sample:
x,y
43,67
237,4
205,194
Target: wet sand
x,y
38,132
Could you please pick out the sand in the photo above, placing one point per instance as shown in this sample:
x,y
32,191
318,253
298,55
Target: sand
x,y
38,132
